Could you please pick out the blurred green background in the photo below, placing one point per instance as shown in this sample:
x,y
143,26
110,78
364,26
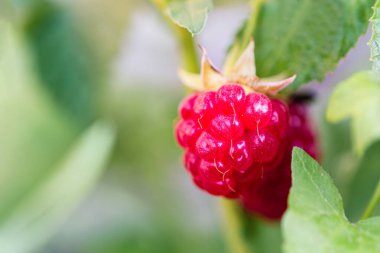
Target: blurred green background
x,y
88,162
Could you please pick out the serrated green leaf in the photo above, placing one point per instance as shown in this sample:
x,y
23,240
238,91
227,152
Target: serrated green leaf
x,y
358,99
375,39
190,14
35,219
315,220
307,37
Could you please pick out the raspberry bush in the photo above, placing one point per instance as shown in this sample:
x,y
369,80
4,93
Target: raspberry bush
x,y
250,137
242,134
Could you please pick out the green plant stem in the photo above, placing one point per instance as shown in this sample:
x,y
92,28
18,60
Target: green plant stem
x,y
241,44
233,227
375,199
189,62
189,57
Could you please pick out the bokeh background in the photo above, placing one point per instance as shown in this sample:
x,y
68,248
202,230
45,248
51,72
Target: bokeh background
x,y
88,163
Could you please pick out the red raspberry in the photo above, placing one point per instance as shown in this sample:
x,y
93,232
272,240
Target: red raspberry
x,y
204,108
258,110
230,98
191,162
187,132
217,179
301,132
264,145
208,147
227,127
267,195
240,155
186,108
229,137
280,116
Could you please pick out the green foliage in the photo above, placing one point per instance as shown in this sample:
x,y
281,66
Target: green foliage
x,y
358,99
190,14
45,208
363,183
40,183
34,132
130,115
154,238
64,60
375,40
5,10
315,219
307,37
258,233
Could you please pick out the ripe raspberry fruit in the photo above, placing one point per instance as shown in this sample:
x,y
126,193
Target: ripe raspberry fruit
x,y
267,197
301,132
209,147
227,127
229,137
187,132
264,145
231,98
204,107
278,121
258,110
239,157
186,108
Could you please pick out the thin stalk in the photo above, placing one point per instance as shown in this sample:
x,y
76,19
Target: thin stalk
x,y
233,227
241,44
375,199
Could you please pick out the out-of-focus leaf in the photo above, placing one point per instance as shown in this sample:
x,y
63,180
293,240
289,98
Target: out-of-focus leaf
x,y
64,60
307,37
156,239
190,14
358,99
375,40
363,183
315,221
338,159
131,113
33,131
5,10
46,207
93,15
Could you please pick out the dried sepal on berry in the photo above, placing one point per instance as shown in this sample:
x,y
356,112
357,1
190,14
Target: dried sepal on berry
x,y
243,73
245,67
